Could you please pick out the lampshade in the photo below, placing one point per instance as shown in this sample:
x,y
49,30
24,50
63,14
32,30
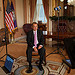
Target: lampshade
x,y
61,0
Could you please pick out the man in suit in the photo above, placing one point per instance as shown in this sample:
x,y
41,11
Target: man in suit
x,y
35,41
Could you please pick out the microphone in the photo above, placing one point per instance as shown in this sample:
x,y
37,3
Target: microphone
x,y
57,8
3,40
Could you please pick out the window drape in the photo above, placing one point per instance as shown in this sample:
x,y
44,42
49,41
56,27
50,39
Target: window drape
x,y
32,9
25,11
36,14
46,10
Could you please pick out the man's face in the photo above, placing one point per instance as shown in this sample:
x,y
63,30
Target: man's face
x,y
35,27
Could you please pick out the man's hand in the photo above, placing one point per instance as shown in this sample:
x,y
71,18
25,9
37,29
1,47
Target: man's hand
x,y
35,49
39,47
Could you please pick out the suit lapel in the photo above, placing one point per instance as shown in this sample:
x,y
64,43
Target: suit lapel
x,y
32,34
37,34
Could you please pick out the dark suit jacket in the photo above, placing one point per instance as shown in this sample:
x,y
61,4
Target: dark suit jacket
x,y
30,38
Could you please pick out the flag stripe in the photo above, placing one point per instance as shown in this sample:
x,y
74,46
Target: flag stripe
x,y
7,20
12,23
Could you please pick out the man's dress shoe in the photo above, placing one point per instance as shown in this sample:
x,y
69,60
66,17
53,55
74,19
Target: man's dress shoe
x,y
29,69
40,67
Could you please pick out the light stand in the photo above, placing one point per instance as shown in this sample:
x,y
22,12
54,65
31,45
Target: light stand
x,y
58,50
5,34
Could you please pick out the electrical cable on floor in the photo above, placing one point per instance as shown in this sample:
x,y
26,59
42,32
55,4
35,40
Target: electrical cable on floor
x,y
1,49
0,52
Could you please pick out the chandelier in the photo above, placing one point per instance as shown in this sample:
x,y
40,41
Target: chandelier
x,y
70,2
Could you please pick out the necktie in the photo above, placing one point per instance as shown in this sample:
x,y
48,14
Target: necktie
x,y
35,39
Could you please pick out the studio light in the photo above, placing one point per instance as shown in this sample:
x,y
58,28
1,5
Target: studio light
x,y
57,8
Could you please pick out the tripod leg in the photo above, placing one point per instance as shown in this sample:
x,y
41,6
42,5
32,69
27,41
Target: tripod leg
x,y
2,57
61,54
51,53
2,61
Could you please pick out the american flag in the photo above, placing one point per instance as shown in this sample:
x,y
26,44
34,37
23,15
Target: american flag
x,y
10,17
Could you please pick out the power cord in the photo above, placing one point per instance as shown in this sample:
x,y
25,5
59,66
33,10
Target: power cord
x,y
0,52
1,49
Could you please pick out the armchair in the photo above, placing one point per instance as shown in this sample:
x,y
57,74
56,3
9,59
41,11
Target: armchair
x,y
27,27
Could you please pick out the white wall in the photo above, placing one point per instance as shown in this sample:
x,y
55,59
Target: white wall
x,y
19,13
1,14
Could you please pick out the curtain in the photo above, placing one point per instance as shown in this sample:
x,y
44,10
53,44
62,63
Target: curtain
x,y
36,14
32,9
46,10
25,11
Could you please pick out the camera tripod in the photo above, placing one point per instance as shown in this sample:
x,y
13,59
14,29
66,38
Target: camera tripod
x,y
5,35
6,46
58,50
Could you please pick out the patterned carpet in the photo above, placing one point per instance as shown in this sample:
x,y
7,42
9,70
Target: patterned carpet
x,y
52,68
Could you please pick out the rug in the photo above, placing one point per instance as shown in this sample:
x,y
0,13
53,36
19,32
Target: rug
x,y
52,68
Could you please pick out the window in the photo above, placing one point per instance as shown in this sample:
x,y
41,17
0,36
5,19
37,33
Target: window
x,y
39,14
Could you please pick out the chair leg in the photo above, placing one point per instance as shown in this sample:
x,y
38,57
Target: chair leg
x,y
45,59
37,62
69,70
